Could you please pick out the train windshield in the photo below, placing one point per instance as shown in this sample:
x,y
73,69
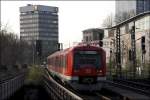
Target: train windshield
x,y
83,58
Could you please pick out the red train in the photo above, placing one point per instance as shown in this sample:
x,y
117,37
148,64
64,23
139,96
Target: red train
x,y
82,67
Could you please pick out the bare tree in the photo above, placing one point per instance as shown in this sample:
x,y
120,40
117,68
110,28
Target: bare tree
x,y
122,16
12,50
109,21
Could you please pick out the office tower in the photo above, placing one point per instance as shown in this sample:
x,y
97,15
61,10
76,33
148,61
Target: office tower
x,y
39,27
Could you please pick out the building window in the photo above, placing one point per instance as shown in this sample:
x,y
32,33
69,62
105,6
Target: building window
x,y
54,21
86,38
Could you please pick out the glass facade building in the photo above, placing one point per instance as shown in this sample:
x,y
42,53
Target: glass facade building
x,y
38,22
126,9
142,6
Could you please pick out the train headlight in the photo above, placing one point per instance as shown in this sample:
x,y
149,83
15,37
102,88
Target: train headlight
x,y
99,71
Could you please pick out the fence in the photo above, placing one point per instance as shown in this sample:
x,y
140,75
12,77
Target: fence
x,y
10,85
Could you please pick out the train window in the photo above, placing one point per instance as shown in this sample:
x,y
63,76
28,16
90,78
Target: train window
x,y
88,52
57,61
87,58
54,61
64,61
60,61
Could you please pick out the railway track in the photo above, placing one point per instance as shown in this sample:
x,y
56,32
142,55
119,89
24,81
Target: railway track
x,y
140,84
59,92
134,86
144,81
94,96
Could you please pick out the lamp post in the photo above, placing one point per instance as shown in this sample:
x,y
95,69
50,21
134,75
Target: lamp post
x,y
133,50
110,62
118,53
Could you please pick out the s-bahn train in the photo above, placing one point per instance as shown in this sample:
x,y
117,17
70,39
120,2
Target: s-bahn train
x,y
82,67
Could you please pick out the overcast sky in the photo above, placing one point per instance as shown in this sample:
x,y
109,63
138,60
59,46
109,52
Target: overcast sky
x,y
74,16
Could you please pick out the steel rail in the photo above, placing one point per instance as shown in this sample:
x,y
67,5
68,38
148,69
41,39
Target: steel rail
x,y
142,85
141,91
102,96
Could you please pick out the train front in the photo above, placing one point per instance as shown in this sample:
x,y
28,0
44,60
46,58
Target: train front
x,y
88,68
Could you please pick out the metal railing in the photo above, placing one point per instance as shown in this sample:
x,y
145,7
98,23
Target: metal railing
x,y
10,85
57,91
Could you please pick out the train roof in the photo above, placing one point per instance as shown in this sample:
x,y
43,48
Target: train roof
x,y
63,52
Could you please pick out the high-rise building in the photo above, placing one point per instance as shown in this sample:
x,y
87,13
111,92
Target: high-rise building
x,y
39,25
129,8
142,6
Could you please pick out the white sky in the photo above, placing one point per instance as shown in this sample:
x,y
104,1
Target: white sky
x,y
74,16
